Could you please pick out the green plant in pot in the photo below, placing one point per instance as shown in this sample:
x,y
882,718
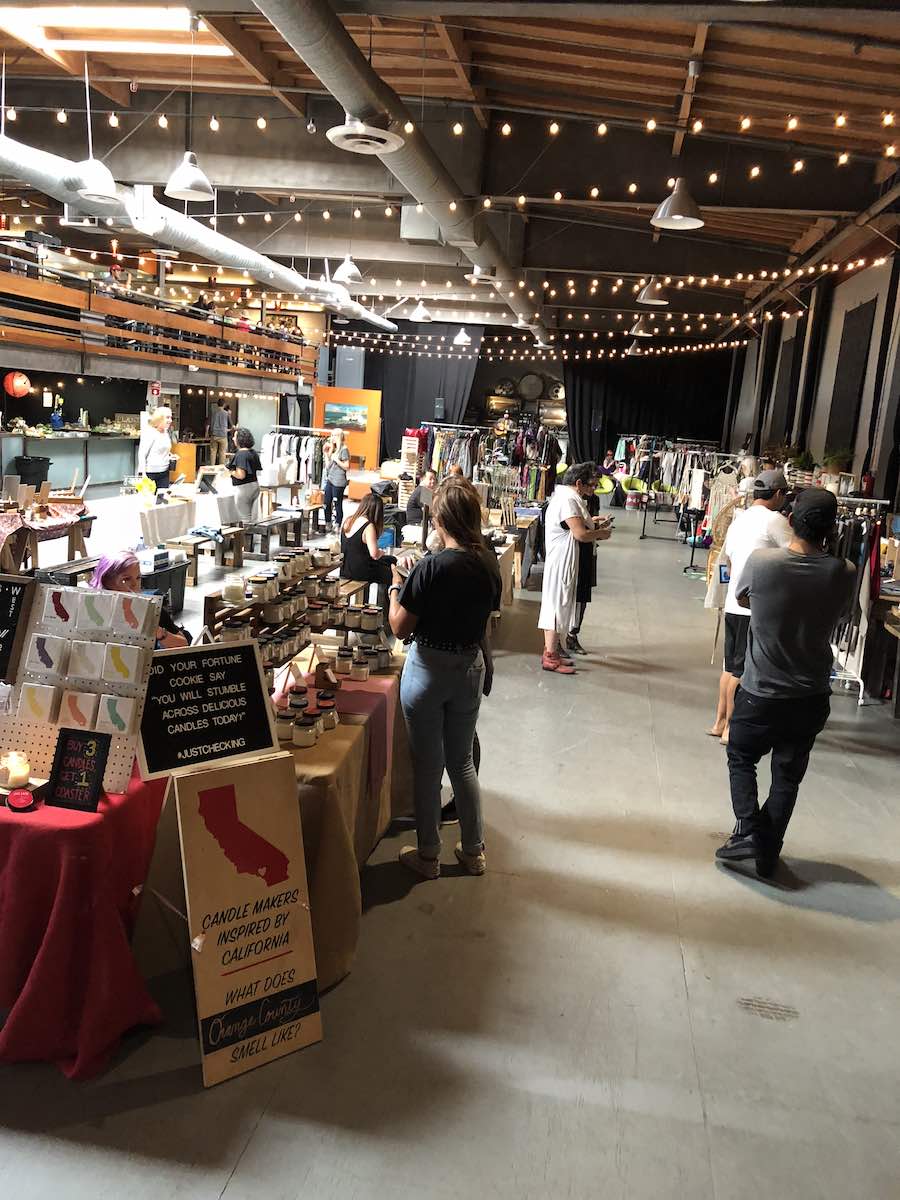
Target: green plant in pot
x,y
803,461
835,461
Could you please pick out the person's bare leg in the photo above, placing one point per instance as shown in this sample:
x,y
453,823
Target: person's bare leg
x,y
721,721
732,687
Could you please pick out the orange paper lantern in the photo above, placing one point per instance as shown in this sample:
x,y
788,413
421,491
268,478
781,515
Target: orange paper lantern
x,y
16,383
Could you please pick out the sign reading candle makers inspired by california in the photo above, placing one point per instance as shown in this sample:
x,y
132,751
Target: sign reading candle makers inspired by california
x,y
205,704
248,914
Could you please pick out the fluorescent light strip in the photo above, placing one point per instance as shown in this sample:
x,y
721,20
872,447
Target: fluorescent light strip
x,y
152,18
116,46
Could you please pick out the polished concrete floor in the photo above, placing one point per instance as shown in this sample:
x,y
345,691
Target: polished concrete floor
x,y
605,1014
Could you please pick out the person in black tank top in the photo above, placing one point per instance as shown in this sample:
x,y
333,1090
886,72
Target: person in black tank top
x,y
359,548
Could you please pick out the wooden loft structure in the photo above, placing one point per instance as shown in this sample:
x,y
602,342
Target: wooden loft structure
x,y
39,313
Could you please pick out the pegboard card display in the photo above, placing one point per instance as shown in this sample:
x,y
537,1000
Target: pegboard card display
x,y
85,665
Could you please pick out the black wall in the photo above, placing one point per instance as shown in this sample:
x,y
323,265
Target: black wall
x,y
101,399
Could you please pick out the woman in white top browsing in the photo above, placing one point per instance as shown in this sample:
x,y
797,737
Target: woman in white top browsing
x,y
155,447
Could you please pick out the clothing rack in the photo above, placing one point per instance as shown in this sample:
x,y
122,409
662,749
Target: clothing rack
x,y
447,425
300,429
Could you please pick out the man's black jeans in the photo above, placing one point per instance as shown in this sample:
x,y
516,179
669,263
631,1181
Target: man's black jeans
x,y
788,728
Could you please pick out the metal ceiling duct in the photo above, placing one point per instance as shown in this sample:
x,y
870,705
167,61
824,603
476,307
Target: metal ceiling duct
x,y
136,208
314,31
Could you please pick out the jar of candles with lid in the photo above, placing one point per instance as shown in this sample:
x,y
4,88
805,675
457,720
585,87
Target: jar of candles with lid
x,y
371,619
258,586
359,672
328,589
314,713
233,590
283,563
305,732
284,724
311,586
298,703
328,709
353,616
344,661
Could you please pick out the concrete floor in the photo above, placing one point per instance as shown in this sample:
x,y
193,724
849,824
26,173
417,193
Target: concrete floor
x,y
605,1014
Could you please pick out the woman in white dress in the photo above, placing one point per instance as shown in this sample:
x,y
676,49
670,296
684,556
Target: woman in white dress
x,y
566,523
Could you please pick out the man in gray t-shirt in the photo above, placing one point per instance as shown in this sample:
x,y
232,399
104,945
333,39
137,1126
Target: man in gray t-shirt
x,y
796,596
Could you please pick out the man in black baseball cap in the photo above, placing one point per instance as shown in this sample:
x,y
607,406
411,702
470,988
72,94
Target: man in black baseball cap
x,y
796,595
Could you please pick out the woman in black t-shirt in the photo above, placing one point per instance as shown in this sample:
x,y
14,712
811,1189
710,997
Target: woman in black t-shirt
x,y
244,468
444,606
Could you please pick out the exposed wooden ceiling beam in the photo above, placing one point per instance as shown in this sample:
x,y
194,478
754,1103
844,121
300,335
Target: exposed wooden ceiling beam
x,y
74,65
453,42
687,96
259,62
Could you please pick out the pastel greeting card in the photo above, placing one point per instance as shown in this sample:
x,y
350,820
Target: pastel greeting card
x,y
121,664
47,655
86,660
38,702
60,608
78,709
115,715
132,614
95,610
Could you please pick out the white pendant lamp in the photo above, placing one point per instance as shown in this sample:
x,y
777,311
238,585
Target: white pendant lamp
x,y
640,328
91,179
653,293
347,272
633,350
462,338
188,182
421,313
678,212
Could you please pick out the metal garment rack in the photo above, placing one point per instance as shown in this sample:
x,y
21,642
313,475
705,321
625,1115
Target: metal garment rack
x,y
300,429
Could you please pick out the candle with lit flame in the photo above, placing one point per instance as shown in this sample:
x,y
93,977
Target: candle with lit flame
x,y
15,770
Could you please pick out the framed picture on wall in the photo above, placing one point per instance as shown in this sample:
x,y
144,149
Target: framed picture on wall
x,y
351,417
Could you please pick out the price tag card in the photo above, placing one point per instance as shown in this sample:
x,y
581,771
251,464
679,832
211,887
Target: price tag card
x,y
76,777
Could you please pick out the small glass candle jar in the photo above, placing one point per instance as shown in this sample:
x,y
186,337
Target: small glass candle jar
x,y
384,658
311,586
343,662
315,714
273,612
233,590
298,704
258,586
316,615
371,619
304,732
328,589
329,713
283,562
353,616
233,631
284,725
372,660
359,672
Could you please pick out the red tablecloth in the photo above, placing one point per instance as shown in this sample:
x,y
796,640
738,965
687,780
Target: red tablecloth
x,y
69,985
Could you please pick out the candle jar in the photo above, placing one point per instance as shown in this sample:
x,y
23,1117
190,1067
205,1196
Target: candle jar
x,y
316,615
359,672
353,616
384,658
232,631
284,725
300,601
326,612
371,619
258,586
283,562
315,714
311,587
305,732
371,659
233,590
343,662
328,589
339,613
329,714
15,770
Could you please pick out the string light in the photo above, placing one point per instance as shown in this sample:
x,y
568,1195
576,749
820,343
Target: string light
x,y
11,114
521,202
420,208
298,216
601,129
452,206
261,122
840,120
457,129
357,213
326,215
554,128
506,129
267,217
486,202
890,151
714,177
697,126
887,118
632,187
113,120
754,172
408,127
745,124
792,123
843,159
798,166
62,116
651,125
214,124
557,196
240,219
162,121
595,192
670,182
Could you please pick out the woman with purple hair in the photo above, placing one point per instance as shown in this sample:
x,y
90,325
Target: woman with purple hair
x,y
122,573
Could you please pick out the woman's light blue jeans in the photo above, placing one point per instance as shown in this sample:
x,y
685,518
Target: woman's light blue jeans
x,y
440,693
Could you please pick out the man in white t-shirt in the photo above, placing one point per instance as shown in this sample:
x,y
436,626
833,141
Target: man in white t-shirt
x,y
759,527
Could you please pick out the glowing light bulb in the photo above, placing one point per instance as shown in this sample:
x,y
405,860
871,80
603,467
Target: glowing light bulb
x,y
840,120
506,129
11,114
554,128
697,126
632,187
408,127
595,192
62,116
601,129
792,123
798,166
420,208
452,206
714,177
457,129
113,121
670,182
651,125
486,202
557,196
326,215
890,151
887,118
843,159
357,213
267,217
261,122
298,216
745,124
162,121
754,172
214,124
240,219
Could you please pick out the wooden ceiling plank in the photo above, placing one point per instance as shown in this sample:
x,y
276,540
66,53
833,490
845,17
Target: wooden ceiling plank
x,y
454,45
74,66
259,62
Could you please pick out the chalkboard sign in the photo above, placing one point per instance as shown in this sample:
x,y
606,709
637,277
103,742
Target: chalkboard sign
x,y
205,704
16,595
76,777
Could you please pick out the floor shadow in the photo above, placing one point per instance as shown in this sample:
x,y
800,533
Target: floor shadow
x,y
824,887
386,882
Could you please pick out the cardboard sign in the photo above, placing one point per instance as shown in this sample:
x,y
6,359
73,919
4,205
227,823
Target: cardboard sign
x,y
76,777
205,704
248,914
16,596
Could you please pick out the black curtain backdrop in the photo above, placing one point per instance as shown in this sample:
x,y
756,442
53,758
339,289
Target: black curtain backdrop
x,y
410,384
667,396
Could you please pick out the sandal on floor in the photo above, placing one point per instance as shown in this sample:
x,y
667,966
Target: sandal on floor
x,y
553,662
